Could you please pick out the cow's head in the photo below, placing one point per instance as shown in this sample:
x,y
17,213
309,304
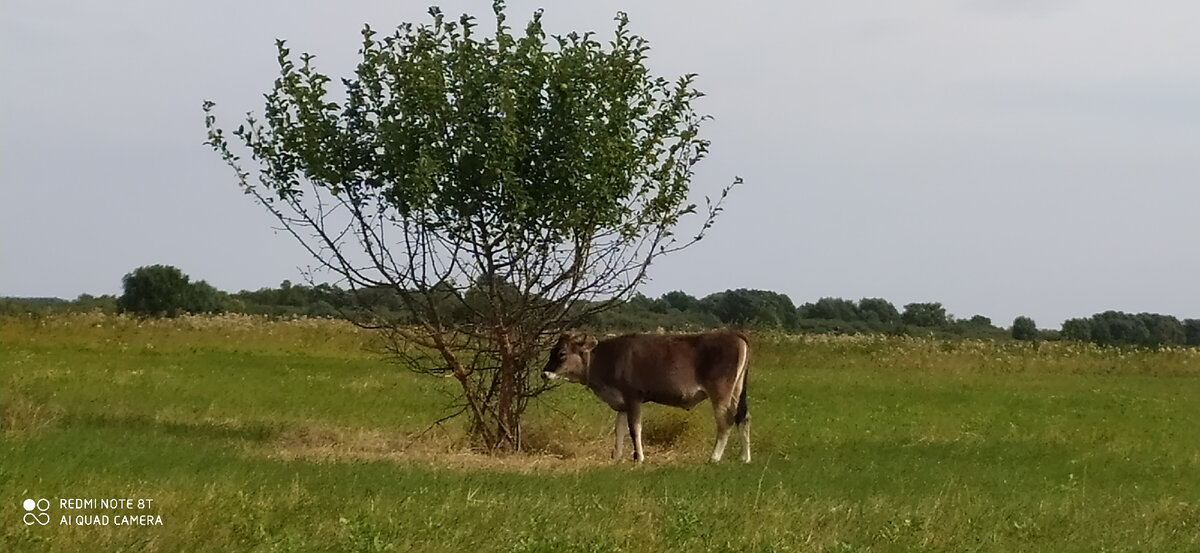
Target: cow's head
x,y
570,357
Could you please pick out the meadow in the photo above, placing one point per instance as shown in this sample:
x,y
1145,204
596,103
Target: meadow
x,y
257,435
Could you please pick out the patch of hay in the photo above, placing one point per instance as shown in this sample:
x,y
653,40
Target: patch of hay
x,y
544,450
20,416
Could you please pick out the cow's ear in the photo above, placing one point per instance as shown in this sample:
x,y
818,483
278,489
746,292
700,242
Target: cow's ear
x,y
564,337
589,342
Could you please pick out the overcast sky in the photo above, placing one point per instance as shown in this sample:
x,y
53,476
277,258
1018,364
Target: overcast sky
x,y
1003,157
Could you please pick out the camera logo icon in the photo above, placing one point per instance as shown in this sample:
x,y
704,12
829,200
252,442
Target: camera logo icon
x,y
36,512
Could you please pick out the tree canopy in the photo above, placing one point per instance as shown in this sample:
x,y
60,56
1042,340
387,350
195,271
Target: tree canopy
x,y
163,290
1024,328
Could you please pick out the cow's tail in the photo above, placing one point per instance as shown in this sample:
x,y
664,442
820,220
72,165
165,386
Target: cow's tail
x,y
742,411
744,376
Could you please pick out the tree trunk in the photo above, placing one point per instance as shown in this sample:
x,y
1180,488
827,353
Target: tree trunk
x,y
508,432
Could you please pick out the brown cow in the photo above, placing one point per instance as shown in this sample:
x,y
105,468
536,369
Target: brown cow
x,y
676,370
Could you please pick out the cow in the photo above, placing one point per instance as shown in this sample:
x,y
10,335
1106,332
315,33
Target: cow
x,y
676,370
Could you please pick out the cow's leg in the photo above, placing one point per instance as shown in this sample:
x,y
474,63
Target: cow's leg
x,y
619,435
719,449
744,431
634,415
738,407
723,428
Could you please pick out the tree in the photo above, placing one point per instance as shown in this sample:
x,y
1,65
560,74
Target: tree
x,y
541,177
1191,329
1023,328
1162,330
830,308
681,301
924,314
87,302
644,303
164,291
979,320
1079,330
1117,328
643,314
878,310
202,297
760,308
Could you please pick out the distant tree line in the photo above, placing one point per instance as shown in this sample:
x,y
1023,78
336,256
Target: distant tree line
x,y
161,290
763,309
1115,328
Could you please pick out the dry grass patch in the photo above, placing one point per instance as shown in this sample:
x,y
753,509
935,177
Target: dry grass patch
x,y
19,416
544,450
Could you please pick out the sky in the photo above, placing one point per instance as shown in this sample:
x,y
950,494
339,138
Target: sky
x,y
1004,158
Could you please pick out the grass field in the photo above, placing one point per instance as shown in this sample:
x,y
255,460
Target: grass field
x,y
291,436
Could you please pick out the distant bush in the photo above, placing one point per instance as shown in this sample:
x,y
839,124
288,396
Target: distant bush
x,y
878,310
1079,330
831,326
969,328
836,309
620,319
1024,328
924,314
681,301
164,291
1191,332
979,320
751,308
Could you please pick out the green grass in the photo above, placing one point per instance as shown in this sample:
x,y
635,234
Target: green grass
x,y
290,436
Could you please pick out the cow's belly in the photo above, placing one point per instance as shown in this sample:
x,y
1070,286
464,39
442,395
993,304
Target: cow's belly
x,y
682,398
612,396
675,398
